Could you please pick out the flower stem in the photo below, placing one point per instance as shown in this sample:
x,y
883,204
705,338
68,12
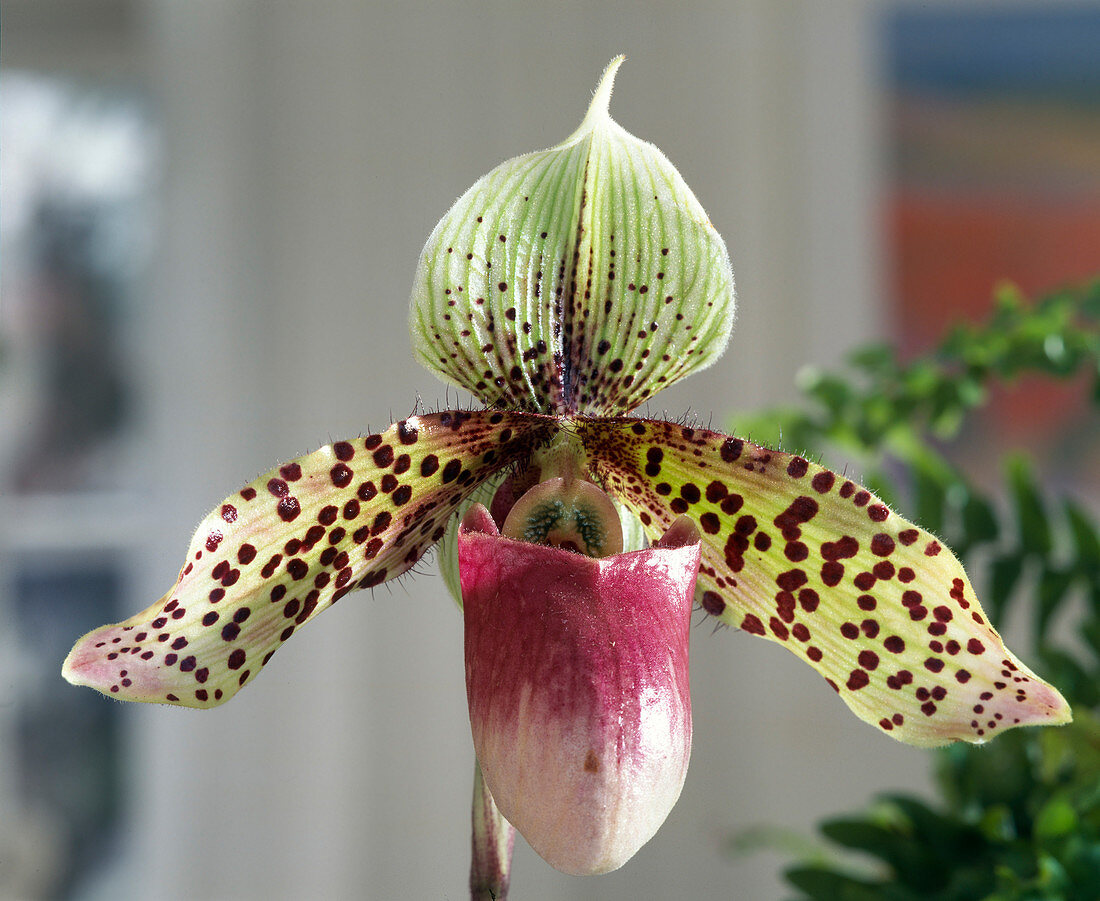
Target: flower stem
x,y
491,846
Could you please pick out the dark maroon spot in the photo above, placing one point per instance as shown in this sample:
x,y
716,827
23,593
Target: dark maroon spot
x,y
866,602
797,468
216,595
908,536
850,631
402,495
869,627
877,512
188,664
864,581
289,508
785,606
269,568
861,498
933,548
731,504
868,660
297,568
796,551
246,553
248,493
846,547
451,470
882,545
823,482
429,465
710,523
928,708
237,658
799,631
791,580
884,569
762,541
230,631
730,452
858,679
814,653
962,676
213,540
716,491
752,624
343,450
372,548
278,487
973,646
809,599
847,490
229,513
943,614
831,573
210,618
933,664
341,475
778,629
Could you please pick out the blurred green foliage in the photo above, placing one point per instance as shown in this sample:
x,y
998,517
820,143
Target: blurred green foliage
x,y
1018,818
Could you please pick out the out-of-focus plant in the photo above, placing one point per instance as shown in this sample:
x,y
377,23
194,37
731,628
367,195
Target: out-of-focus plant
x,y
1019,818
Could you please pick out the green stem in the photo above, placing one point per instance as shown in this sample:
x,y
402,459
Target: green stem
x,y
491,846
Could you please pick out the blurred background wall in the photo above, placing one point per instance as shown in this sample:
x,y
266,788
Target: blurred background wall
x,y
266,176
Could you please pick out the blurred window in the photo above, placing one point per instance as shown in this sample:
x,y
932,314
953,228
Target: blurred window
x,y
77,171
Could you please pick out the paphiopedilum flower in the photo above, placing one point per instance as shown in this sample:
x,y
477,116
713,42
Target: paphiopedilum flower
x,y
564,289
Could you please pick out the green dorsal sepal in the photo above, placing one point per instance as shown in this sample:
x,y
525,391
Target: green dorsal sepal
x,y
584,278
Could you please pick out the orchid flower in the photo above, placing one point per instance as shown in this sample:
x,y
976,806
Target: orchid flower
x,y
564,289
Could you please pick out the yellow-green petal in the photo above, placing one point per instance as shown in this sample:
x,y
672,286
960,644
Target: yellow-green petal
x,y
585,277
806,558
290,544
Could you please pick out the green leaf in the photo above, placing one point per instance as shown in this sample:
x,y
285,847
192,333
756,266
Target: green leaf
x,y
1032,521
1055,819
585,277
824,884
1086,538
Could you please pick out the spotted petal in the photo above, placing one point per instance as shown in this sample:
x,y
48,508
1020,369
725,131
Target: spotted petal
x,y
279,551
809,559
584,277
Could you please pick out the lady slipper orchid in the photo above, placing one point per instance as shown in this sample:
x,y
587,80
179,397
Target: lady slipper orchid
x,y
564,289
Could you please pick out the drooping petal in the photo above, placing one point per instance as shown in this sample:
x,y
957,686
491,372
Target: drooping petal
x,y
584,277
809,559
279,551
577,679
